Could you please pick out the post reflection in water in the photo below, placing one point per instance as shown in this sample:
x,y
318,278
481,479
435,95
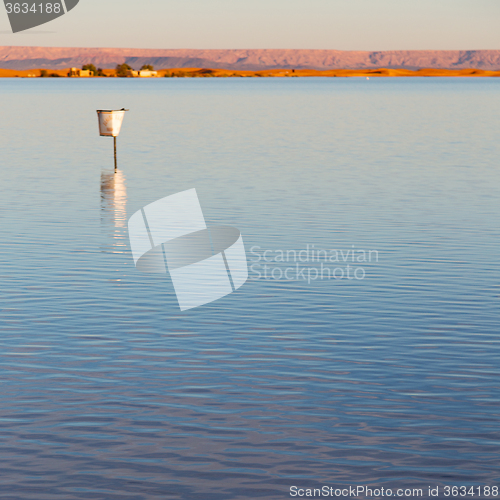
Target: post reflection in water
x,y
114,208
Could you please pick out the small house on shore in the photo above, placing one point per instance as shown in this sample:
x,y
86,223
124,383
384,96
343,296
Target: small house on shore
x,y
80,72
143,73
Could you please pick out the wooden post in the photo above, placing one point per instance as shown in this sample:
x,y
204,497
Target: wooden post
x,y
114,143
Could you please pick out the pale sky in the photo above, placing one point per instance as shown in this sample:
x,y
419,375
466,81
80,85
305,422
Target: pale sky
x,y
279,24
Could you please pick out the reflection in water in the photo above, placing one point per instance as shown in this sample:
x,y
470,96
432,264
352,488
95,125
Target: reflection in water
x,y
114,207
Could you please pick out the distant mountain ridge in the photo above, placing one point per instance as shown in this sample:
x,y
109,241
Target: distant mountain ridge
x,y
22,58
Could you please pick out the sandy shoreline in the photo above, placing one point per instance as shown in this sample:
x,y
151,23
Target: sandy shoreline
x,y
226,73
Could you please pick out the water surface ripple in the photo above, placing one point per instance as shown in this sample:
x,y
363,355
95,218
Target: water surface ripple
x,y
109,392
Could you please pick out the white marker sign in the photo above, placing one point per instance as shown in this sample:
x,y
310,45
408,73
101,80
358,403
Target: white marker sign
x,y
110,121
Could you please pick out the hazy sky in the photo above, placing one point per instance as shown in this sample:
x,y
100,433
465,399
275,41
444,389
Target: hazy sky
x,y
306,24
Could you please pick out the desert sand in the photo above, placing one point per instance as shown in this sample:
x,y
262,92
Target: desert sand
x,y
227,73
380,72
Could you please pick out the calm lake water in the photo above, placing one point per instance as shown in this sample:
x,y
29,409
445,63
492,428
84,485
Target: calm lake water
x,y
108,391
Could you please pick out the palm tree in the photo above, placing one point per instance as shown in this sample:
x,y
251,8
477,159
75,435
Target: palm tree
x,y
121,69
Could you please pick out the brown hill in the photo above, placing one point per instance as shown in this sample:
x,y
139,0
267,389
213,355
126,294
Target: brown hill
x,y
24,58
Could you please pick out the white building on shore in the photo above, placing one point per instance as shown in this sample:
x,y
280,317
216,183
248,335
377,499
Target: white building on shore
x,y
143,73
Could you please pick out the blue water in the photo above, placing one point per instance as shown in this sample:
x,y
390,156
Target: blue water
x,y
108,391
